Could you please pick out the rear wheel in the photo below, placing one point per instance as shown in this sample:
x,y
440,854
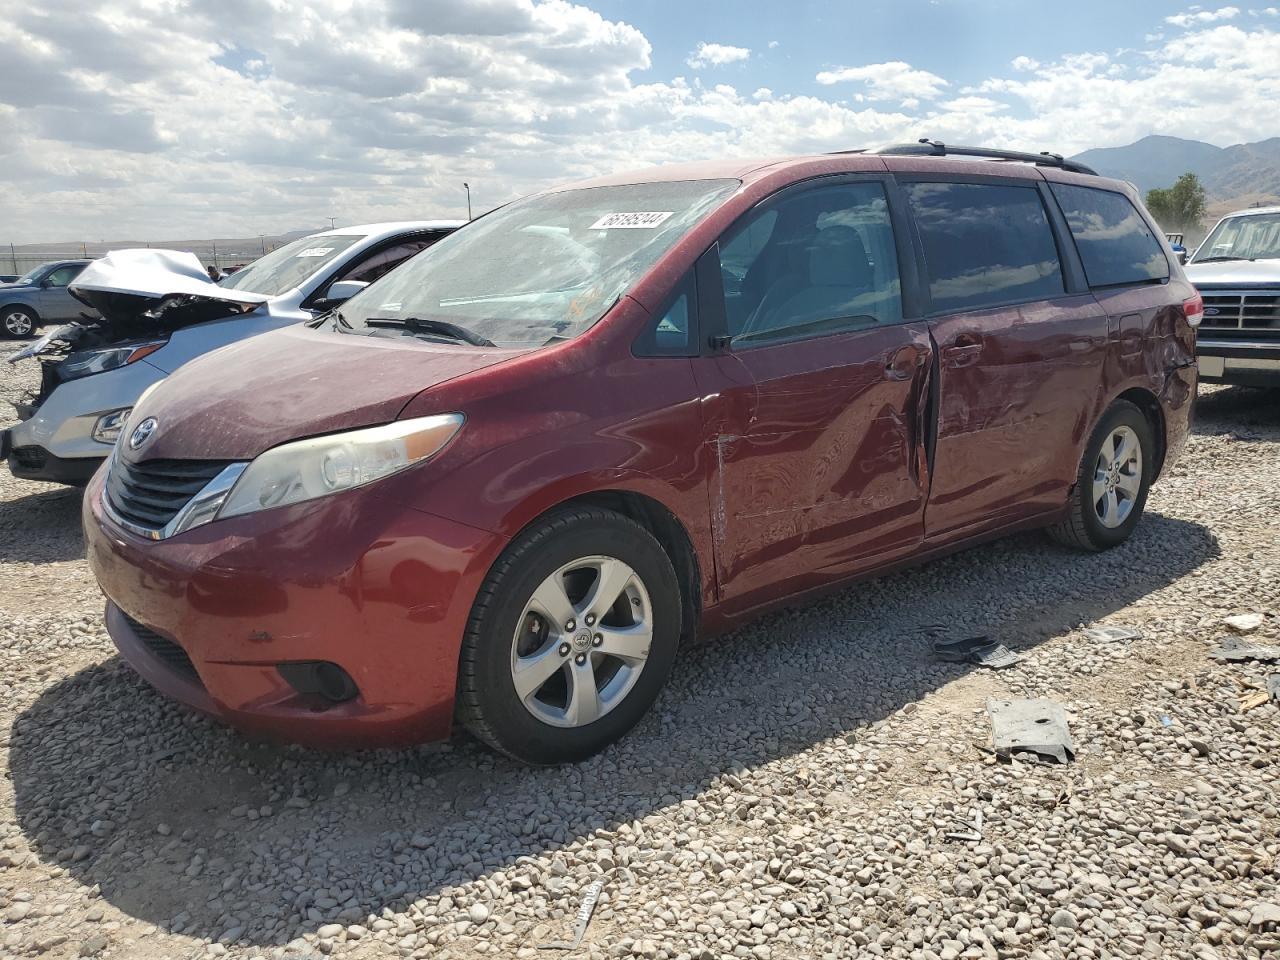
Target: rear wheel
x,y
17,321
1112,483
571,638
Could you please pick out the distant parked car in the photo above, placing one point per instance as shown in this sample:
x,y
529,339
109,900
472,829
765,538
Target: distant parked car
x,y
159,310
1237,271
8,277
1178,247
41,296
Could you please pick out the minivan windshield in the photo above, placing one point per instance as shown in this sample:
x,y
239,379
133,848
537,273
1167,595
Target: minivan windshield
x,y
1255,237
286,267
538,270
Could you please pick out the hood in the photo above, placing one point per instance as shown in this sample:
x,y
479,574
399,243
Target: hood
x,y
295,382
137,290
1228,273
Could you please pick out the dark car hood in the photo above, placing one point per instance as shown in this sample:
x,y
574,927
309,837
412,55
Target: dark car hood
x,y
296,382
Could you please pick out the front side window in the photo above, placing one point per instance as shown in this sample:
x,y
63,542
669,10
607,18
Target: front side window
x,y
985,244
289,266
1116,245
64,275
813,262
535,271
1254,237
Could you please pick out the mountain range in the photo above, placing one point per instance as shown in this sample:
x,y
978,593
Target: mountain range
x,y
1233,177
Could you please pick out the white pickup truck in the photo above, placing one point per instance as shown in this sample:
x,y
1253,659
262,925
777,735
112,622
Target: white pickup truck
x,y
1237,271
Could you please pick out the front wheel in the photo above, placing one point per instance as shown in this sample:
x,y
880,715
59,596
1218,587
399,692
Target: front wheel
x,y
1112,483
17,322
571,637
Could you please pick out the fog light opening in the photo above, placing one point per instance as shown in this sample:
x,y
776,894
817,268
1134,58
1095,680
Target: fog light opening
x,y
320,678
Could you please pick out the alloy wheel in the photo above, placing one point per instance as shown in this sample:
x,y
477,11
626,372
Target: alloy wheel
x,y
17,323
1117,477
582,641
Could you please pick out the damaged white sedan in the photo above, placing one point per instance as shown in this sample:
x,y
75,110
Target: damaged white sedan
x,y
159,309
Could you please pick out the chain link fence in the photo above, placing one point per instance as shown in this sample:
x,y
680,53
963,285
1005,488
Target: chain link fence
x,y
22,259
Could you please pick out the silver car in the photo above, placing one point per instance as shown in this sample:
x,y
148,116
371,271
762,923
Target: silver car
x,y
159,310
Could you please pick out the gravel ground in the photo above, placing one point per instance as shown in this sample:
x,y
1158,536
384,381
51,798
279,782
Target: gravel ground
x,y
788,797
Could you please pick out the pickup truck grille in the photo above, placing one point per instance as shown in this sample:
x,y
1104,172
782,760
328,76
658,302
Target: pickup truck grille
x,y
150,494
1241,311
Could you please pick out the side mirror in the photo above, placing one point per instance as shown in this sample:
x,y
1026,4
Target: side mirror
x,y
343,290
45,283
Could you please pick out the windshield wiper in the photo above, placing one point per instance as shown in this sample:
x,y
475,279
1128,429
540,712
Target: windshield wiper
x,y
426,325
1220,259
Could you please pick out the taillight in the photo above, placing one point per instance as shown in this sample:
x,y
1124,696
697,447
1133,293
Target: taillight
x,y
1194,309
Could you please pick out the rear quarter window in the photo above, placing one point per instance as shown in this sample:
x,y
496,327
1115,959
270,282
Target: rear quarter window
x,y
985,244
1116,246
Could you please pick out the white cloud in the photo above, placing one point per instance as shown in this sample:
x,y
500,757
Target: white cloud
x,y
1196,16
716,55
773,44
1025,63
127,121
894,80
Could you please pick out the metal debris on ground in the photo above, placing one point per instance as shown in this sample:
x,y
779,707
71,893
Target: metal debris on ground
x,y
1112,633
1035,727
974,833
1235,649
983,651
584,918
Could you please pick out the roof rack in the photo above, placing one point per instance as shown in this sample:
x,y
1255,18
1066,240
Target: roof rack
x,y
936,148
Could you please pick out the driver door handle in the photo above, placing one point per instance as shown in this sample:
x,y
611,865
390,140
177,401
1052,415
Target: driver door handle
x,y
963,351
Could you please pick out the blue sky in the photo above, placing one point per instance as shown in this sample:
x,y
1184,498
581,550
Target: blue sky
x,y
962,40
206,118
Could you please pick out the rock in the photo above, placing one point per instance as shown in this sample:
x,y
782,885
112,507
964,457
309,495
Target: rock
x,y
1264,916
1244,622
1063,920
478,913
17,912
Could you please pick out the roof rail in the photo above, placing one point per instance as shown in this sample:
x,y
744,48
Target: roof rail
x,y
936,148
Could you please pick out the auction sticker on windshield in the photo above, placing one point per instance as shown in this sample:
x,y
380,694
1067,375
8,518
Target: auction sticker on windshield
x,y
316,252
630,221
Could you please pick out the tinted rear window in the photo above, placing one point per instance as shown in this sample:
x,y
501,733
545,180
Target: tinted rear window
x,y
985,244
1116,245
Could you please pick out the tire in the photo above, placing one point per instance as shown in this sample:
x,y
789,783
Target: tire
x,y
18,322
511,630
1090,523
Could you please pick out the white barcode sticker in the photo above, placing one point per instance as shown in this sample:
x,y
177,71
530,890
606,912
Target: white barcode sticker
x,y
630,221
316,252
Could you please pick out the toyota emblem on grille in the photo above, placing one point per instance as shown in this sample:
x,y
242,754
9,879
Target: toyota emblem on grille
x,y
142,433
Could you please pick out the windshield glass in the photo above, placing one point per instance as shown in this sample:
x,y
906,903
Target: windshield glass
x,y
1243,238
35,275
287,267
536,270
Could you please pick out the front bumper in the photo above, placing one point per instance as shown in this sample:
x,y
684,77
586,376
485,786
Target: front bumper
x,y
381,590
1240,362
36,463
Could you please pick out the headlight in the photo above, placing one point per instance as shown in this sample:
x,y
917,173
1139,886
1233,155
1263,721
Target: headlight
x,y
87,362
306,469
109,425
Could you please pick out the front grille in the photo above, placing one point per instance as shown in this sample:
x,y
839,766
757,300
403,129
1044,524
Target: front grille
x,y
151,493
30,458
164,650
1242,312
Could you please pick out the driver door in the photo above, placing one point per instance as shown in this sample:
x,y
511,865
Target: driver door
x,y
813,403
56,302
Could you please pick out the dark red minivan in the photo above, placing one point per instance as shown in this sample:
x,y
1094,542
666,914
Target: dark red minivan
x,y
505,481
